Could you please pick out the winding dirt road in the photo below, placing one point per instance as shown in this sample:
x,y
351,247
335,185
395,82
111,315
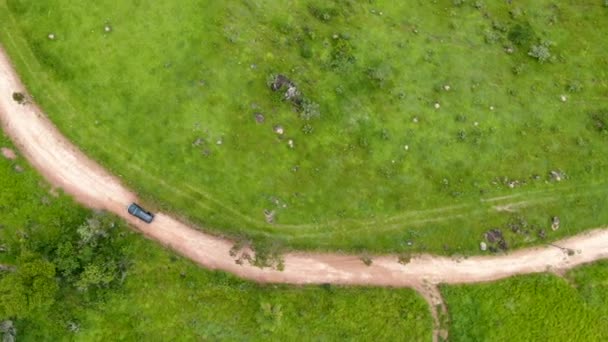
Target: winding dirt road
x,y
64,166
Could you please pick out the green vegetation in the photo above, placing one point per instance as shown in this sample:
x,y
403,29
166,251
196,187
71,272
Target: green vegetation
x,y
532,308
76,274
409,122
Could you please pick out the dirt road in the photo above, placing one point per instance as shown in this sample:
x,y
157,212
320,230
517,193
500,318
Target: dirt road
x,y
63,165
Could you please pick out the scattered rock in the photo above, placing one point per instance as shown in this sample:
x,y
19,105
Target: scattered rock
x,y
437,105
259,118
8,153
278,129
8,331
292,93
415,119
269,215
493,235
557,175
20,98
502,244
447,87
290,143
563,98
492,108
542,234
198,142
513,184
73,327
555,222
51,36
483,246
107,29
19,169
280,81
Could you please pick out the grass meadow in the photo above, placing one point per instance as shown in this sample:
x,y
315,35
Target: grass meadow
x,y
419,118
532,308
154,294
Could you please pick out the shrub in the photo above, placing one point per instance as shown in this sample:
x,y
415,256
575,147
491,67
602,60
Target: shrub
x,y
305,50
540,52
600,121
519,69
380,74
322,14
521,34
342,55
491,37
404,258
575,86
307,129
366,259
309,110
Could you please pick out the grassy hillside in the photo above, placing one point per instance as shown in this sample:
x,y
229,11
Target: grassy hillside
x,y
84,276
414,120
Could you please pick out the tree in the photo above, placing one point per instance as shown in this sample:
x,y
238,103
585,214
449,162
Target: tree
x,y
31,288
95,275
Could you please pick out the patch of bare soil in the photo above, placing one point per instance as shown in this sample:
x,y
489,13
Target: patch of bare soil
x,y
8,153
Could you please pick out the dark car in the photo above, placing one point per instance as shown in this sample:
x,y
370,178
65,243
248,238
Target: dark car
x,y
140,213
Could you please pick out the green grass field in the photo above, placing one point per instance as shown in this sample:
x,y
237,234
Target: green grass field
x,y
166,297
155,295
532,308
166,98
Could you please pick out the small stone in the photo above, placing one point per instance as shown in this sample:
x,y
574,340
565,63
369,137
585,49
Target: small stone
x,y
335,36
290,143
107,28
437,105
415,119
491,107
259,118
483,246
475,123
406,147
447,87
556,175
279,130
18,169
219,141
563,98
555,222
51,36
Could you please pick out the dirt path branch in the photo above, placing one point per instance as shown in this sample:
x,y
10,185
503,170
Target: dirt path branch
x,y
63,165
